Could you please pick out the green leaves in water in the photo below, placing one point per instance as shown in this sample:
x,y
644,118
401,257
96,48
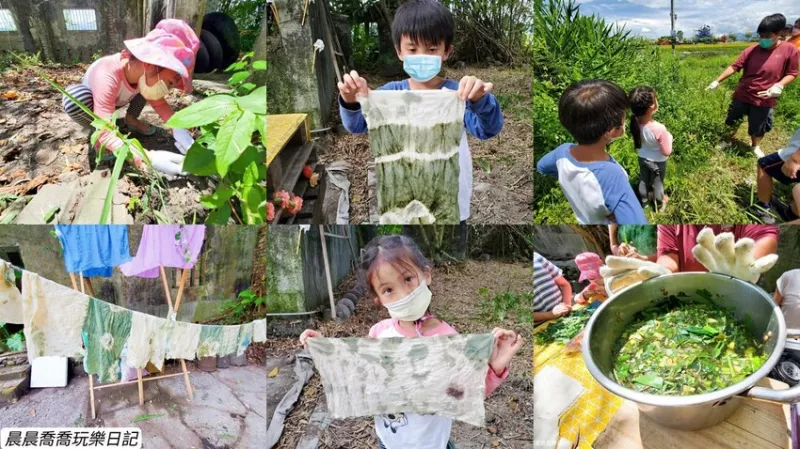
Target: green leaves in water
x,y
680,348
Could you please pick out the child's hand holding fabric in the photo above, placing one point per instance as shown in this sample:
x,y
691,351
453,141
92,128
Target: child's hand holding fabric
x,y
308,333
720,255
506,344
352,85
472,89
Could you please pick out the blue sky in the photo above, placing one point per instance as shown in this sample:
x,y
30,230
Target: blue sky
x,y
650,18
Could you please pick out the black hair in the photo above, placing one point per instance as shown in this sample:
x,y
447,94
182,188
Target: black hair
x,y
397,250
424,22
640,99
590,108
774,23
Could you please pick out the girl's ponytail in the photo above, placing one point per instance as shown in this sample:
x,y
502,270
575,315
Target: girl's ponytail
x,y
640,99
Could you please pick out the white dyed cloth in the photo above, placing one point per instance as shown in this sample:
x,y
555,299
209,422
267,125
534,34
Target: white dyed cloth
x,y
553,393
147,341
182,340
10,297
260,330
443,375
415,138
53,317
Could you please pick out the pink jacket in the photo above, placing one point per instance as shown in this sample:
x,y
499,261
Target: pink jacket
x,y
493,380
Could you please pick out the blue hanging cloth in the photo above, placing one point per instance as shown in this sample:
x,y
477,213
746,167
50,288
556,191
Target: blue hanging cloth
x,y
94,250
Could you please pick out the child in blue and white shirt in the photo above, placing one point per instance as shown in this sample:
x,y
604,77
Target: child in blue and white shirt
x,y
595,185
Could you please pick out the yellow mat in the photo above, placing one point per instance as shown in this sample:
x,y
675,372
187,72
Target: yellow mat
x,y
592,412
281,128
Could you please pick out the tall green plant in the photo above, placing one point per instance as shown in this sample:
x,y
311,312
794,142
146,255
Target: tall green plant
x,y
229,148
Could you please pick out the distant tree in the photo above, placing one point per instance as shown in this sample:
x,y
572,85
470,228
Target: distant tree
x,y
703,33
732,37
679,35
723,39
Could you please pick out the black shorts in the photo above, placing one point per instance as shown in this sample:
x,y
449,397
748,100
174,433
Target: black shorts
x,y
759,118
772,164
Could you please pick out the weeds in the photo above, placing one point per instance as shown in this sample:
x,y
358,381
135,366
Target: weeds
x,y
495,308
246,307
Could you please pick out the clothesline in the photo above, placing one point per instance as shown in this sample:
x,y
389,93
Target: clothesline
x,y
61,321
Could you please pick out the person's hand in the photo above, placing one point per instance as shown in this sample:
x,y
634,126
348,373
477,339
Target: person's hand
x,y
183,140
790,168
561,310
720,255
473,89
506,344
714,84
352,85
308,333
773,92
167,162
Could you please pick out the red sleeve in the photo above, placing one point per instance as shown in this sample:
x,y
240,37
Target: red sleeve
x,y
739,63
667,239
756,232
163,109
493,380
105,83
794,60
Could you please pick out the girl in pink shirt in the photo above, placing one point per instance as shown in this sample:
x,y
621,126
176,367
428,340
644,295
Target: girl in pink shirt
x,y
144,72
397,276
653,143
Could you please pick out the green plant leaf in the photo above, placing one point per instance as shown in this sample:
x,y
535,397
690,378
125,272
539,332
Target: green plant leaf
x,y
200,161
233,138
255,102
146,417
121,154
238,77
220,216
246,88
218,198
251,199
16,342
250,155
261,124
238,65
260,65
50,214
250,177
203,112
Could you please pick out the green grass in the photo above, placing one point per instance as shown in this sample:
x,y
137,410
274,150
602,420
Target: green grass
x,y
705,185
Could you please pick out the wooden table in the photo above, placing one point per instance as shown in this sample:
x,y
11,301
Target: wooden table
x,y
601,420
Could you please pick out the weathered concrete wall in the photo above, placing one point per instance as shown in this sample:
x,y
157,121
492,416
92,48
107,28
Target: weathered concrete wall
x,y
223,269
16,40
291,77
42,27
340,256
260,52
557,242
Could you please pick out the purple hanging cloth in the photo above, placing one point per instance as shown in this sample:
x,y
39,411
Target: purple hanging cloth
x,y
175,246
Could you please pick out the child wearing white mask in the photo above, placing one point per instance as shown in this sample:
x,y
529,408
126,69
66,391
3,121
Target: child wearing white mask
x,y
397,276
423,33
144,72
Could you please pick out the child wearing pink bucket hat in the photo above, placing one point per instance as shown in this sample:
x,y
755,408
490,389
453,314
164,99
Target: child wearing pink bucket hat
x,y
589,264
143,72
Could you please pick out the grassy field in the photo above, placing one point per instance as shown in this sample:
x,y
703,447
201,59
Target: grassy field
x,y
705,185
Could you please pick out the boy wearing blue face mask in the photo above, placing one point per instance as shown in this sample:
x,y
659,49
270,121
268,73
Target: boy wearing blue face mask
x,y
767,68
422,32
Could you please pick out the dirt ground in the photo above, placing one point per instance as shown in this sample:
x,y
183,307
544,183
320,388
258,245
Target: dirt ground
x,y
509,409
40,145
502,166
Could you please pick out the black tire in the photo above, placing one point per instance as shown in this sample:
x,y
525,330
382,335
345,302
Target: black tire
x,y
226,32
201,61
214,50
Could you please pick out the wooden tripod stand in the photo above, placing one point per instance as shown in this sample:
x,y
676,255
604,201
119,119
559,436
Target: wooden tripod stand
x,y
140,381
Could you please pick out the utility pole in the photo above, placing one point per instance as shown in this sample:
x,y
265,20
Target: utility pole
x,y
672,24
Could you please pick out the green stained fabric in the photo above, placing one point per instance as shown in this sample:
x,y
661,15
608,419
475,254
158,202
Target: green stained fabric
x,y
210,341
245,337
643,237
415,138
106,329
443,375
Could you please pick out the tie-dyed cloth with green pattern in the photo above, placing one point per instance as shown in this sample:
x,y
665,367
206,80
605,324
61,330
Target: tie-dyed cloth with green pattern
x,y
443,375
106,330
415,138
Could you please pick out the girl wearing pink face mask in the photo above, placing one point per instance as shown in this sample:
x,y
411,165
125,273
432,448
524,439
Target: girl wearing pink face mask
x,y
397,275
143,72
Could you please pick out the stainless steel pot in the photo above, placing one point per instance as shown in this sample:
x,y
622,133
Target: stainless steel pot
x,y
701,410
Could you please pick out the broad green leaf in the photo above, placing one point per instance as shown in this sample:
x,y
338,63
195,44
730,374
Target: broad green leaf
x,y
246,88
238,77
260,65
238,65
650,380
250,155
255,102
122,154
251,198
200,161
218,198
16,342
203,112
261,124
233,138
50,214
220,216
250,177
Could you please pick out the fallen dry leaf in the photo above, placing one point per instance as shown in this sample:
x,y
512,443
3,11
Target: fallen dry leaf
x,y
314,180
75,166
11,95
72,149
492,429
273,373
496,443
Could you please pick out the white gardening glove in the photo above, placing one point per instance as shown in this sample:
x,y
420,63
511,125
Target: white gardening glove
x,y
167,162
183,140
773,92
720,255
616,265
714,84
